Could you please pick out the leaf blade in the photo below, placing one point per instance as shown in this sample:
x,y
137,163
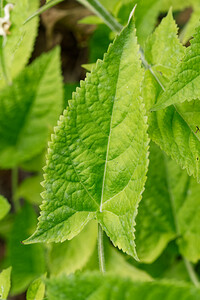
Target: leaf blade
x,y
184,84
92,149
29,109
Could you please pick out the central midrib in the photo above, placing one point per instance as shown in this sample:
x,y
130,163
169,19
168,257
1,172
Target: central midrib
x,y
108,144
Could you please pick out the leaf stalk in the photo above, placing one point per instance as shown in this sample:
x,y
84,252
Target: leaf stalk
x,y
101,249
15,199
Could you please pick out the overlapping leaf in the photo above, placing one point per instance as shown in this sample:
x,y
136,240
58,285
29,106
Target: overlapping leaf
x,y
29,109
170,128
95,286
19,44
4,207
36,290
169,209
155,225
5,283
27,262
73,255
185,82
97,159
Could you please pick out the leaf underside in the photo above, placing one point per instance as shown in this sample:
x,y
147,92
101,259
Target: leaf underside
x,y
98,156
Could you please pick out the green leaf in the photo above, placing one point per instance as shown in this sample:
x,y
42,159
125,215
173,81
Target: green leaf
x,y
4,207
5,283
171,128
117,263
155,223
186,211
96,7
69,88
73,255
97,159
48,5
28,110
96,286
27,261
30,189
94,20
36,290
178,4
185,83
146,15
156,52
19,44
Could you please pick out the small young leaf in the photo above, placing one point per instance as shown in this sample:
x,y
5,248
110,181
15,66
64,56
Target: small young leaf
x,y
185,83
4,207
5,283
156,52
97,161
96,286
36,290
73,255
28,110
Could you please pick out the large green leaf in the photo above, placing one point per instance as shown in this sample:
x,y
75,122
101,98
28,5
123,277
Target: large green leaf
x,y
5,283
169,209
185,82
155,223
73,255
185,199
171,128
95,286
27,262
19,44
4,207
97,159
29,109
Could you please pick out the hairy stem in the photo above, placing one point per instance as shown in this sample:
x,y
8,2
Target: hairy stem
x,y
15,199
191,272
101,249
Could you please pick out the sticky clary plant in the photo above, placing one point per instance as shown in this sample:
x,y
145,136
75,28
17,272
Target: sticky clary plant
x,y
120,212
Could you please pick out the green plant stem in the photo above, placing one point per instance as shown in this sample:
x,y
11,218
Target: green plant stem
x,y
103,13
2,59
1,8
2,62
15,199
191,272
101,249
42,9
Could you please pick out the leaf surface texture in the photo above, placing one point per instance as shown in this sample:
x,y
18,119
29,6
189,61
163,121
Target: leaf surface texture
x,y
98,157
